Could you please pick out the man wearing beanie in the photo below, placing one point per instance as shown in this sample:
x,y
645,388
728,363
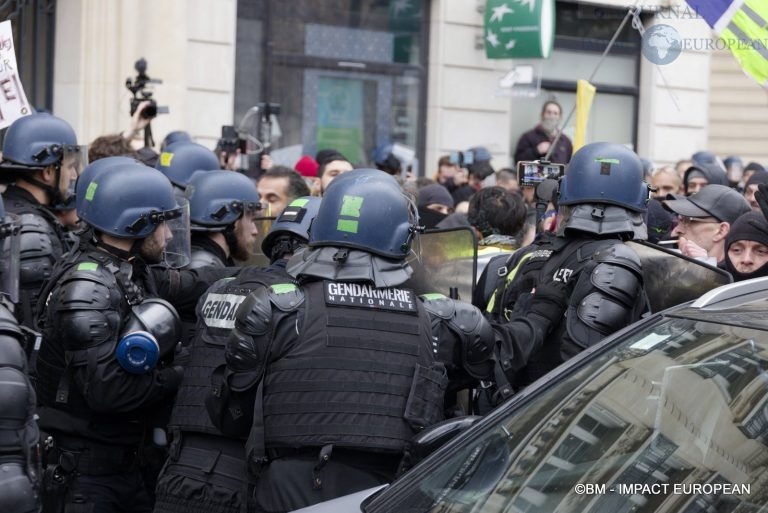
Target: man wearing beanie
x,y
434,204
704,221
750,187
701,174
747,247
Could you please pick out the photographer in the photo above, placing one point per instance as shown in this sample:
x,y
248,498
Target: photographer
x,y
134,132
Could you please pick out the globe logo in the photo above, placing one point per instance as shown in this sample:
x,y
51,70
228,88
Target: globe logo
x,y
661,44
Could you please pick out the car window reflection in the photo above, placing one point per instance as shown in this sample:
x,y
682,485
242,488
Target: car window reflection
x,y
673,418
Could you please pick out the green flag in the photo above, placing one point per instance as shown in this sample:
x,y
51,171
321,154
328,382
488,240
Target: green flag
x,y
519,28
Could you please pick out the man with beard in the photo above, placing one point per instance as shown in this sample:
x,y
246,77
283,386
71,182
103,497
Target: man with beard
x,y
108,366
222,209
42,157
534,144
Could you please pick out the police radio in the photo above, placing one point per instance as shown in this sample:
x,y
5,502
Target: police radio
x,y
530,173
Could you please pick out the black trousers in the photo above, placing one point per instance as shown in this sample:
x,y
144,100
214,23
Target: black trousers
x,y
116,493
206,476
291,482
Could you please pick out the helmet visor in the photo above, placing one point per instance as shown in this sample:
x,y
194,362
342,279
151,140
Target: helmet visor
x,y
178,249
73,161
9,257
263,225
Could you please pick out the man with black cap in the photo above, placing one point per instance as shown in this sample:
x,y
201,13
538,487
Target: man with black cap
x,y
704,220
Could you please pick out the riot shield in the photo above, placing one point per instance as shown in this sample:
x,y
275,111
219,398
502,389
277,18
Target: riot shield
x,y
445,261
258,258
671,278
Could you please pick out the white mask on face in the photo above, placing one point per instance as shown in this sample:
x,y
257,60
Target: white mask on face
x,y
549,124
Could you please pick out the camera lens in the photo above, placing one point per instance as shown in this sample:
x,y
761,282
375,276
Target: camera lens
x,y
150,111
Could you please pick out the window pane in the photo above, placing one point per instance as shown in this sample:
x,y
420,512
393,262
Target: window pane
x,y
672,418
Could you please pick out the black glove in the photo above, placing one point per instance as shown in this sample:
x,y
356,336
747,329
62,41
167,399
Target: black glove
x,y
181,355
550,300
170,377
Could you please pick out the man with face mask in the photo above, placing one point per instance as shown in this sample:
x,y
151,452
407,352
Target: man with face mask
x,y
534,144
109,364
42,157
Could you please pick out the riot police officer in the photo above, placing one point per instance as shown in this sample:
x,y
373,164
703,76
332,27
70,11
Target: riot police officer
x,y
602,198
180,160
331,378
106,366
206,469
40,152
19,460
222,210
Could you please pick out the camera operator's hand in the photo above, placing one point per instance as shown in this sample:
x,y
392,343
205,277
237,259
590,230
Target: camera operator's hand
x,y
229,161
138,123
266,162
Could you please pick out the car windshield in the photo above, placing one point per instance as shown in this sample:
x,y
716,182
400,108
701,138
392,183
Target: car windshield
x,y
671,418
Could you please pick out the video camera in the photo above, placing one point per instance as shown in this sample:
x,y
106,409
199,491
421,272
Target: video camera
x,y
531,173
231,141
138,87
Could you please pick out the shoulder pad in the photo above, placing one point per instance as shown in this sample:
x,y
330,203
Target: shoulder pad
x,y
437,305
87,286
8,323
286,296
202,258
619,254
37,239
254,315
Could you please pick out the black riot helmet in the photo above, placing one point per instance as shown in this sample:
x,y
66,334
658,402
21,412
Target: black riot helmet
x,y
37,141
603,191
291,228
366,209
129,201
180,160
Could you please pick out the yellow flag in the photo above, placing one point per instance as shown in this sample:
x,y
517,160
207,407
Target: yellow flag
x,y
585,93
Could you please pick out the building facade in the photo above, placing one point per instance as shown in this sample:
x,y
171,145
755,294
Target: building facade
x,y
357,73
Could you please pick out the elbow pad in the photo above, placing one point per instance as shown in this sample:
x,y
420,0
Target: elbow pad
x,y
463,336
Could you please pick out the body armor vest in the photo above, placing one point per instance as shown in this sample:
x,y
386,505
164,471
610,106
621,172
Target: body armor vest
x,y
362,374
16,394
53,385
216,318
557,258
42,243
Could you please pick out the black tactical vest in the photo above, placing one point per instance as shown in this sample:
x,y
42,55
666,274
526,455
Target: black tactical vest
x,y
42,243
558,258
362,375
216,317
53,384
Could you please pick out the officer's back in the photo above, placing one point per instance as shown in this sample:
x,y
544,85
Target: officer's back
x,y
332,377
602,198
206,469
